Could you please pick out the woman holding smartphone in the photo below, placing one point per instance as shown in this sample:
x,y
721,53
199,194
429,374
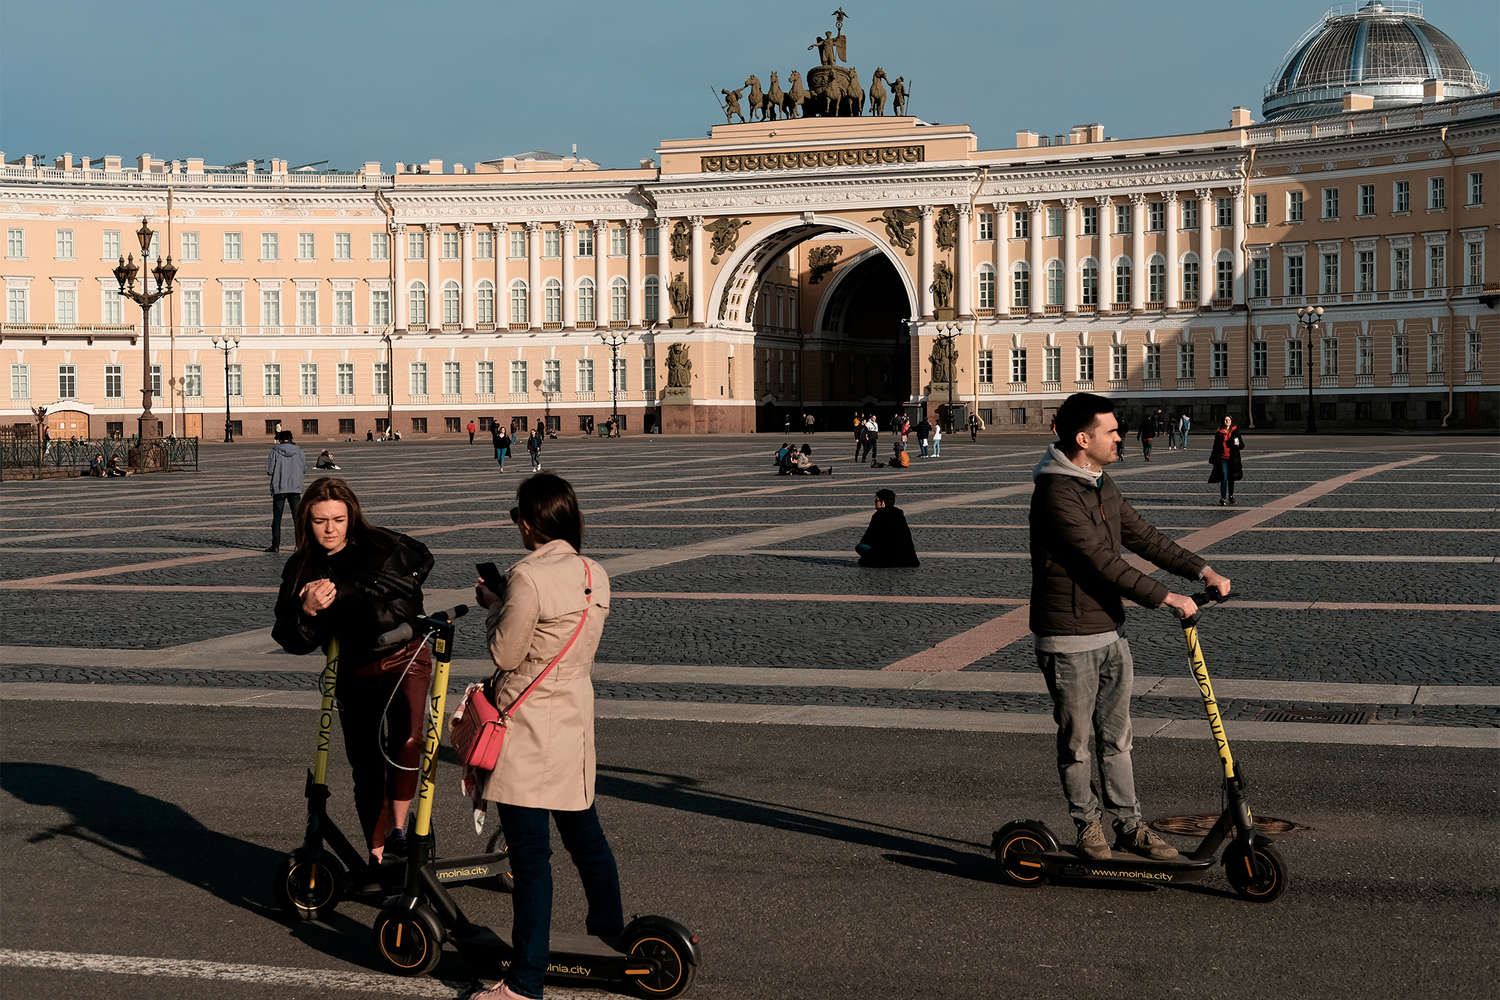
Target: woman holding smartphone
x,y
352,581
551,607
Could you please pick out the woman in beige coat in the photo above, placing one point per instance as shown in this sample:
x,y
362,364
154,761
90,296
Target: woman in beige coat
x,y
551,598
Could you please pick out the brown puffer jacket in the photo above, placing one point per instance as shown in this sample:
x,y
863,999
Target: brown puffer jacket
x,y
1078,575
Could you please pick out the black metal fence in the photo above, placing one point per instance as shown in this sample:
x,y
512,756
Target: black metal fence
x,y
25,457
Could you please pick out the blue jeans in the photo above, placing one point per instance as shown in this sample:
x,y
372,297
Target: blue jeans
x,y
276,501
1091,697
1183,442
530,845
500,457
937,447
1226,485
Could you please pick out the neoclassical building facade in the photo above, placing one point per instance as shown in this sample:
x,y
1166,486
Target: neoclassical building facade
x,y
775,267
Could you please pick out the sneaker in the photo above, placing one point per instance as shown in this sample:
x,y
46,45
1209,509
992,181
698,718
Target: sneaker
x,y
499,991
272,548
395,843
1231,501
1091,842
1145,843
1222,501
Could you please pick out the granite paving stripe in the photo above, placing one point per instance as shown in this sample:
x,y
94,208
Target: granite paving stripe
x,y
19,563
817,575
1372,544
125,571
1318,517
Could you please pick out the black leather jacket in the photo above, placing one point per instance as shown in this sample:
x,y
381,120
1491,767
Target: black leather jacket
x,y
378,580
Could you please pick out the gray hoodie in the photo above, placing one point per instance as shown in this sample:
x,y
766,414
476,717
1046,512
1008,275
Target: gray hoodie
x,y
285,466
1055,463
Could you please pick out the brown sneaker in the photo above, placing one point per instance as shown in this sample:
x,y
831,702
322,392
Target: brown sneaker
x,y
1145,843
1091,842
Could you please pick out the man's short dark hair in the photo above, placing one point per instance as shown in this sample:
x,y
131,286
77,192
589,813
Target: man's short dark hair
x,y
1078,413
282,437
887,497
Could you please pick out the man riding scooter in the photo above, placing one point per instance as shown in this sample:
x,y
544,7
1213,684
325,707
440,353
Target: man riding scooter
x,y
1079,522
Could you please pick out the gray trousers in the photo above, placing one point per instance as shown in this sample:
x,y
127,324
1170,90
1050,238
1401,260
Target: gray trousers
x,y
1091,697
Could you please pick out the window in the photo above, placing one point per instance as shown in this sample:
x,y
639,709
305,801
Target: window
x,y
1364,355
1156,216
1052,364
518,378
190,247
1294,206
1399,355
156,380
417,378
380,246
1152,363
653,299
270,246
518,302
552,375
1474,262
1476,188
1190,213
1436,193
1258,209
234,380
452,379
484,299
1331,203
452,424
450,244
380,378
346,426
986,287
380,307
270,376
1020,224
343,246
1021,285
1401,197
233,247
1090,220
234,307
986,367
1122,281
619,381
1260,278
1018,365
652,241
648,376
1295,275
1366,199
484,378
551,243
1218,361
552,301
1328,273
344,378
1434,353
986,226
1117,362
15,244
1190,278
67,381
585,375
619,301
1156,279
307,307
111,245
416,244
1223,212
1054,222
419,425
484,244
452,304
1259,358
1090,283
307,378
192,381
1122,219
1400,268
65,244
114,381
343,307
1017,416
417,305
67,305
192,306
1471,353
585,241
1224,278
1085,364
1437,265
1294,359
518,248
1054,283
1364,270
619,241
1185,361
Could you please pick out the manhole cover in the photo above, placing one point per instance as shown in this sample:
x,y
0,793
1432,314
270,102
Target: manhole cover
x,y
1349,717
1198,826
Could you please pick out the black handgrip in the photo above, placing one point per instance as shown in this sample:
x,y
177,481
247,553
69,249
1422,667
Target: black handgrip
x,y
1205,600
403,632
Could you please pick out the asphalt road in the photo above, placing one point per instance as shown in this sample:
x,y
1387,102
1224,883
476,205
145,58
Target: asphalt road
x,y
814,862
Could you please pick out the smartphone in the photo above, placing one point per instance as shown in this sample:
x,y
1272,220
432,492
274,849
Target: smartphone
x,y
490,574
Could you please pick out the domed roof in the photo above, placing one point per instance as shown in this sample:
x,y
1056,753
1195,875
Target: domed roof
x,y
1384,49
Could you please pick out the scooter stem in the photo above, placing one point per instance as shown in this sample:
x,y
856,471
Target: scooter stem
x,y
327,681
437,695
1210,705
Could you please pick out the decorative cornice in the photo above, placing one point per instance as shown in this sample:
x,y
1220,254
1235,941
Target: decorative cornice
x,y
868,156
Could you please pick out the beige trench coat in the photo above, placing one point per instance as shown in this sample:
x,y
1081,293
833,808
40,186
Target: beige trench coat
x,y
547,759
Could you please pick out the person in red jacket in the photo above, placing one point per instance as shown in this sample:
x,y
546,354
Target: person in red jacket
x,y
1224,458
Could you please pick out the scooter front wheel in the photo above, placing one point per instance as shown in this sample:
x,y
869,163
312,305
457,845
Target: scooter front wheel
x,y
308,888
408,941
1259,874
1018,851
674,968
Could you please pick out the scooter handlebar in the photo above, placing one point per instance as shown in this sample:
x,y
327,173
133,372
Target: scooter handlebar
x,y
1205,600
403,632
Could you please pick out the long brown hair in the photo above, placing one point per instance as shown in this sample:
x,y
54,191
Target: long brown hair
x,y
327,488
547,503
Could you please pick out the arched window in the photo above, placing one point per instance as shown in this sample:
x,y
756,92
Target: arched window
x,y
1224,275
1156,288
485,300
986,286
552,301
519,302
417,299
1020,281
1122,280
586,300
1054,282
652,289
1190,277
452,303
1089,278
619,300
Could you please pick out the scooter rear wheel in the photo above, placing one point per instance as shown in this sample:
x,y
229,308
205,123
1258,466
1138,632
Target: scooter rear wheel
x,y
1259,875
674,971
408,941
308,889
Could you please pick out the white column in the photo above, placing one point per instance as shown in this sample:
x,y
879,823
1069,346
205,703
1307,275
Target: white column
x,y
1237,196
502,292
403,304
700,294
1002,258
1106,258
1038,262
663,270
534,273
1205,248
466,251
569,296
1070,256
434,294
963,281
1174,268
633,275
601,272
929,252
1139,272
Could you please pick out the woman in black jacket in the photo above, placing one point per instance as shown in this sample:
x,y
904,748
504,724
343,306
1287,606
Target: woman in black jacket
x,y
1225,460
351,581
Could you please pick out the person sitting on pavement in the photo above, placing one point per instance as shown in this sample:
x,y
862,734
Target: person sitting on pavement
x,y
783,460
115,470
96,466
325,460
887,541
899,458
804,464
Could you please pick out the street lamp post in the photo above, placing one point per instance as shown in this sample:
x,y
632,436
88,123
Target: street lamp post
x,y
614,341
548,395
390,382
125,273
1310,317
227,344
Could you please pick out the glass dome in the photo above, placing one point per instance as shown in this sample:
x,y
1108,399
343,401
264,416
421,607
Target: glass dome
x,y
1383,49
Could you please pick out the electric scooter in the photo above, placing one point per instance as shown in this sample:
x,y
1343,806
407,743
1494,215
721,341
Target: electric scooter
x,y
311,880
1028,853
653,957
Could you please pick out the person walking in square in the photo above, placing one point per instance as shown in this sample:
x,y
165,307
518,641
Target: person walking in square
x,y
937,440
1184,425
534,447
286,466
471,428
500,441
1224,457
973,428
924,431
1080,523
1146,434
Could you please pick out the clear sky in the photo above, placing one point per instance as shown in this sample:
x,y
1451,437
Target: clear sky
x,y
467,80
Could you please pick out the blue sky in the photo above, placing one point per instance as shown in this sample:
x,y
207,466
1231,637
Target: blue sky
x,y
465,80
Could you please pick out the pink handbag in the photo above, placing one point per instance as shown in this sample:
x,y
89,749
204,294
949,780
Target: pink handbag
x,y
477,730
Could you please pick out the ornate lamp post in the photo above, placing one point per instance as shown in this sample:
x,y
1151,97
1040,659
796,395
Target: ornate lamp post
x,y
125,273
390,382
1310,317
614,341
227,344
